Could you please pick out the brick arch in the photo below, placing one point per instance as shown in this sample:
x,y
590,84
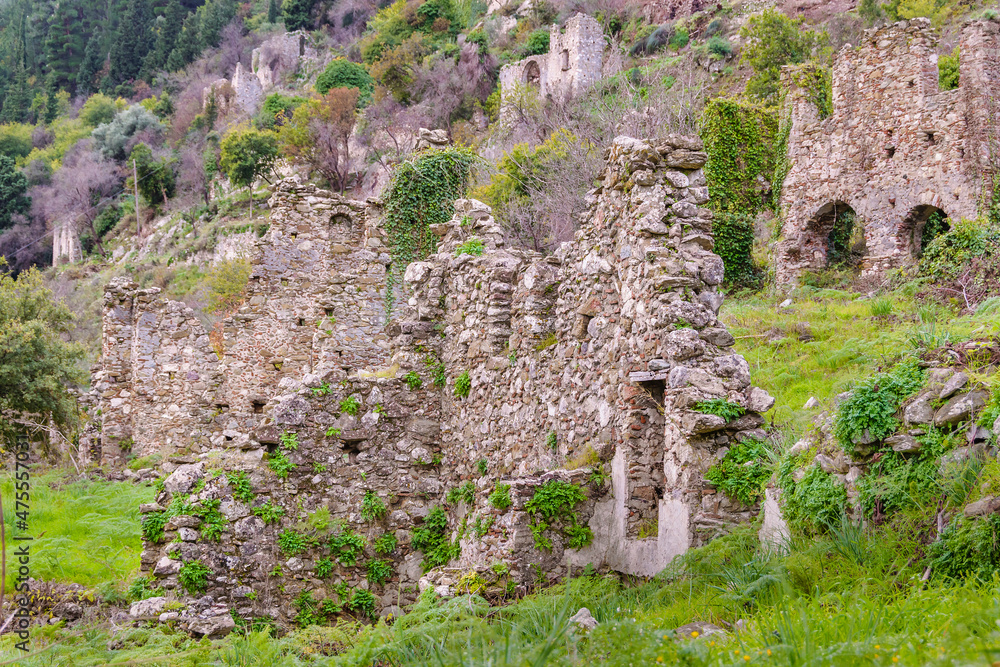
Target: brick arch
x,y
818,239
910,236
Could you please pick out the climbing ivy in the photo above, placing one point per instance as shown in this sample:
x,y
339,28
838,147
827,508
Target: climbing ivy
x,y
740,139
817,81
422,193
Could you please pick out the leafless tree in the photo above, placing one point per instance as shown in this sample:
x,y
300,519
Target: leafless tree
x,y
347,20
446,85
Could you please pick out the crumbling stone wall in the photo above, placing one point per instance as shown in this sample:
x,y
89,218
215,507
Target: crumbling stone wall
x,y
572,65
895,149
584,367
65,244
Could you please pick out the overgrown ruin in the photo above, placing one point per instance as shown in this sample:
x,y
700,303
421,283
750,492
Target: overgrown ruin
x,y
501,367
895,151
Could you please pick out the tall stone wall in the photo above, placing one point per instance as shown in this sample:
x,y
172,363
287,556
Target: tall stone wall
x,y
572,65
895,149
584,367
65,244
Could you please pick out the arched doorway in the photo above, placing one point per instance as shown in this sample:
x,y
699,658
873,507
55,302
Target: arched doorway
x,y
922,225
835,237
532,74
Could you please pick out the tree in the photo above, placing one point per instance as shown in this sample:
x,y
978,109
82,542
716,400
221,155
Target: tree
x,y
342,73
64,46
214,16
247,155
132,41
297,14
13,186
318,134
272,11
112,139
166,37
156,177
92,64
97,110
188,44
36,367
772,40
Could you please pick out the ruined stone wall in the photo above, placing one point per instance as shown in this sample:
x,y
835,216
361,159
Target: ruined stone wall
x,y
572,65
65,245
584,367
895,149
596,353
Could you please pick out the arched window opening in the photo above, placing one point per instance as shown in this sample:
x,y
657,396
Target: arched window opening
x,y
835,238
921,226
532,74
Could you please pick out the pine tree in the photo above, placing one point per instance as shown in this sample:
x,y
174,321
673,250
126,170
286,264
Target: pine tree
x,y
132,41
17,102
214,17
272,11
64,46
188,45
297,13
93,63
51,102
166,37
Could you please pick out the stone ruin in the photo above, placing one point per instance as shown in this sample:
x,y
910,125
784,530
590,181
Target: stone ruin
x,y
66,247
270,61
572,65
584,367
896,149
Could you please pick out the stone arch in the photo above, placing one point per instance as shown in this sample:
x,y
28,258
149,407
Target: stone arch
x,y
532,74
835,237
921,225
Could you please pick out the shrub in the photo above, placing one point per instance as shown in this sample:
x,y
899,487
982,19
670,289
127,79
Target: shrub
x,y
269,513
537,43
193,577
350,406
385,544
463,384
372,507
363,603
343,73
113,138
346,546
744,471
227,284
378,571
815,503
772,40
554,502
431,537
470,247
870,411
465,493
679,39
500,498
280,464
15,140
413,381
948,70
247,154
275,109
292,543
967,548
720,407
719,46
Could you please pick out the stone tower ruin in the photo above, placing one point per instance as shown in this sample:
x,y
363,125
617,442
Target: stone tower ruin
x,y
895,151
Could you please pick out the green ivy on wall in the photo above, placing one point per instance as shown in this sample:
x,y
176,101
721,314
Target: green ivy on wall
x,y
422,193
817,82
740,138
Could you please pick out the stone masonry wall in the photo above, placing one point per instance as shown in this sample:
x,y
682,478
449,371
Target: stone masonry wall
x,y
584,367
896,148
573,63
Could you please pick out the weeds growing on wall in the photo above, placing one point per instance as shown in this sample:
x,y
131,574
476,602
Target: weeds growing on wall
x,y
431,537
553,506
422,193
720,407
869,414
744,471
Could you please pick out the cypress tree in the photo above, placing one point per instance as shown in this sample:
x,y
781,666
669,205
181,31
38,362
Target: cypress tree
x,y
166,37
188,45
297,14
132,41
272,11
93,63
64,46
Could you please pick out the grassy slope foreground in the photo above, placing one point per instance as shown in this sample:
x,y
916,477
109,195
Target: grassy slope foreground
x,y
849,597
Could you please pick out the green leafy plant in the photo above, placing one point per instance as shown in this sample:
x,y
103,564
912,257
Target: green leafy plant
x,y
193,576
881,307
269,513
346,546
482,526
744,471
463,384
554,503
333,432
141,588
813,504
363,603
293,543
378,571
948,70
322,390
413,381
720,407
431,537
483,466
869,413
500,498
153,525
372,507
318,467
551,440
279,463
385,544
350,406
466,493
242,489
324,567
213,522
967,547
472,246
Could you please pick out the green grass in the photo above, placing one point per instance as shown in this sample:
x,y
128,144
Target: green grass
x,y
86,532
848,343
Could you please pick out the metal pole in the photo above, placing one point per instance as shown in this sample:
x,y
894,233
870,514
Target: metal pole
x,y
135,181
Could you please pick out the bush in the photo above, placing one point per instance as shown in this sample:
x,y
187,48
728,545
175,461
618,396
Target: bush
x,y
378,571
431,537
193,577
15,140
870,411
554,503
343,73
97,110
276,105
227,285
948,70
968,547
772,40
744,471
537,43
719,46
734,238
679,39
814,504
112,138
